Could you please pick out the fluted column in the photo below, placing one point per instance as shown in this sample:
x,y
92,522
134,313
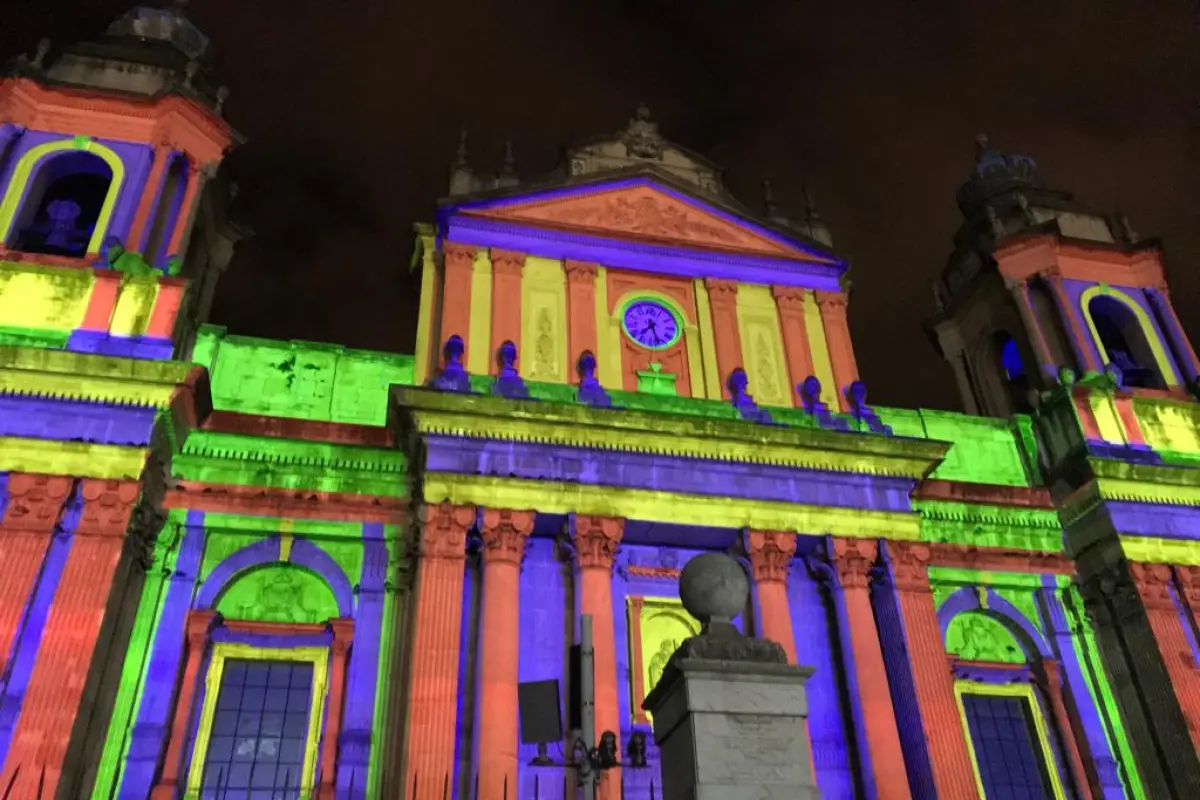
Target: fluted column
x,y
790,302
875,724
833,307
722,299
596,540
507,267
433,693
921,678
504,535
198,625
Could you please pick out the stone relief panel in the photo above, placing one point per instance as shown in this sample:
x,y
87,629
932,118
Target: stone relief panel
x,y
543,352
657,626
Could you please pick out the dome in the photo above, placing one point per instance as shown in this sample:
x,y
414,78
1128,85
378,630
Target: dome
x,y
995,172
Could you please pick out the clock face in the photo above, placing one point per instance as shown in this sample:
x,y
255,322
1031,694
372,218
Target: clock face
x,y
651,324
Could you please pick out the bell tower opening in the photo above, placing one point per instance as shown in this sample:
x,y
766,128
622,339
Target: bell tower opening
x,y
1124,342
166,214
62,205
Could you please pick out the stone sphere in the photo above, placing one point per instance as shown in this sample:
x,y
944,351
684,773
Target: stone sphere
x,y
713,586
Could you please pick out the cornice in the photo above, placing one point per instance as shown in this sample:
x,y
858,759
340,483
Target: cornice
x,y
433,413
339,433
60,374
287,503
1035,497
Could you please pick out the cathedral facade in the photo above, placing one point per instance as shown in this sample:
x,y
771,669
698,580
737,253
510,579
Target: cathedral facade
x,y
245,568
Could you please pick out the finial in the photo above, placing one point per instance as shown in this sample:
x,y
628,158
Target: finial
x,y
509,382
982,145
462,148
768,198
510,160
190,72
222,96
590,390
810,206
642,113
453,376
39,56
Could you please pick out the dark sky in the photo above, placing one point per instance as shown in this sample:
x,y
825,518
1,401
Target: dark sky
x,y
352,108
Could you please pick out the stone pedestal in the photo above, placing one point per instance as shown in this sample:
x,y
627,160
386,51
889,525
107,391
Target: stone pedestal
x,y
729,711
732,730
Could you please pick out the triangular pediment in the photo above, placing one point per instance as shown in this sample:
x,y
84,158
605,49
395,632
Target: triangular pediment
x,y
643,211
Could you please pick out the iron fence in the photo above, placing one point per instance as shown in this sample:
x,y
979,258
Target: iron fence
x,y
570,788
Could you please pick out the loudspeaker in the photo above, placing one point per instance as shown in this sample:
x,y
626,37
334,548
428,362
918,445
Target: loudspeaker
x,y
541,719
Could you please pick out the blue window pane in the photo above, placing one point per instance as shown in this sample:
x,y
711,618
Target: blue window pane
x,y
257,744
1011,763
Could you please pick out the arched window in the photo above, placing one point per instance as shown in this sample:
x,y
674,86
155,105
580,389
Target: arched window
x,y
1124,343
62,205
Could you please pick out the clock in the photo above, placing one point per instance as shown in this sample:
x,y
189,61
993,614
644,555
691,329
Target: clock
x,y
651,324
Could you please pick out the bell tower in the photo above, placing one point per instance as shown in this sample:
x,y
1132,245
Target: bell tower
x,y
1037,282
109,153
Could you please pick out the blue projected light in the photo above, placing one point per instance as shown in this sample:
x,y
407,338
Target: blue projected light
x,y
651,324
1010,359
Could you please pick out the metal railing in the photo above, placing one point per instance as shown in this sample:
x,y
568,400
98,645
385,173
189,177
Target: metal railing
x,y
650,791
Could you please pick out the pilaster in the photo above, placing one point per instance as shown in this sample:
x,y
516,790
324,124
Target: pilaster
x,y
433,696
1020,296
198,177
507,268
596,540
457,261
790,302
770,554
198,626
722,299
875,726
1081,340
504,535
833,307
151,191
1051,683
581,309
343,634
1185,354
921,678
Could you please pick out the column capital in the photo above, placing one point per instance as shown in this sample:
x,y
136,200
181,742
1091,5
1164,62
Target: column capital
x,y
107,506
1153,582
770,554
443,530
596,540
721,291
506,262
580,272
853,559
789,298
36,502
199,624
343,633
456,254
908,564
834,303
504,534
1189,583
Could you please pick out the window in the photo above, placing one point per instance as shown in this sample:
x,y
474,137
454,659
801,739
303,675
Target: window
x,y
1007,748
62,205
259,731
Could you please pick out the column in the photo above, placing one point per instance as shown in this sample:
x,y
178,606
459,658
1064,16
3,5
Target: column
x,y
837,338
1020,297
457,260
921,678
581,309
504,535
1081,340
198,178
875,719
507,266
35,506
433,692
149,199
596,540
55,697
790,301
1051,683
958,363
722,299
1185,354
198,626
1153,582
343,634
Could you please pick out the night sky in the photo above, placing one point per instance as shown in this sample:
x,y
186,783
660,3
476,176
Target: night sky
x,y
352,110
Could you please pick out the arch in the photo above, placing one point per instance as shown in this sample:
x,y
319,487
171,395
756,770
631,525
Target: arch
x,y
967,600
26,168
278,592
1136,328
269,551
